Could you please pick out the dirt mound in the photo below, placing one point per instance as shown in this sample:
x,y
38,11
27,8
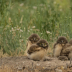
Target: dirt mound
x,y
23,64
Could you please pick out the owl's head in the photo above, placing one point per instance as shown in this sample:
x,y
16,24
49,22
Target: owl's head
x,y
62,40
70,42
43,43
34,38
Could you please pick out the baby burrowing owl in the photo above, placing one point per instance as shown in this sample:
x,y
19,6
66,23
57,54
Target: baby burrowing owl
x,y
70,54
38,51
34,38
58,46
70,42
67,50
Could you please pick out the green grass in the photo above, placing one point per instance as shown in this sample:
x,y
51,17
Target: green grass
x,y
20,18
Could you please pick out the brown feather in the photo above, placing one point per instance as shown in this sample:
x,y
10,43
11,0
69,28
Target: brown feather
x,y
33,48
70,42
58,46
37,38
38,51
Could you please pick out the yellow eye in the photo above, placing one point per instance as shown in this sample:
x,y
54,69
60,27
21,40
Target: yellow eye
x,y
45,44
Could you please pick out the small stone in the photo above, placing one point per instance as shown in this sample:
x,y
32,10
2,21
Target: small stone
x,y
38,64
19,69
58,70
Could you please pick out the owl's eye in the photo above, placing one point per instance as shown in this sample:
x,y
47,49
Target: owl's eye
x,y
31,38
45,44
36,38
40,44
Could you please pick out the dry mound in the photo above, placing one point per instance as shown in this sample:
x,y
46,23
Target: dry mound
x,y
23,64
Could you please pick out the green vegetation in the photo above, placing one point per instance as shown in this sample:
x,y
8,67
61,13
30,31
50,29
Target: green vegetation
x,y
20,18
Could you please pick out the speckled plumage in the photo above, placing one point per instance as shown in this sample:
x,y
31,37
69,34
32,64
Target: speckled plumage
x,y
33,39
38,51
58,46
67,50
70,42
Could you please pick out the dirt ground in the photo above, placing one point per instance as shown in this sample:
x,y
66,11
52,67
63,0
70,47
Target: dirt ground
x,y
23,64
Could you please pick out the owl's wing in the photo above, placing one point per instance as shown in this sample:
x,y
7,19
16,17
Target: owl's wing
x,y
33,49
26,44
57,50
67,49
54,45
54,48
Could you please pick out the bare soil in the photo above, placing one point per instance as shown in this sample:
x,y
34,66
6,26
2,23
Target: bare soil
x,y
23,64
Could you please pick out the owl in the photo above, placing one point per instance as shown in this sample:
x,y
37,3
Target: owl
x,y
38,51
70,52
34,38
58,46
70,42
67,50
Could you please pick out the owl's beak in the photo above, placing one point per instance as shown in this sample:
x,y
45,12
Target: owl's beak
x,y
63,44
62,41
34,38
43,44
